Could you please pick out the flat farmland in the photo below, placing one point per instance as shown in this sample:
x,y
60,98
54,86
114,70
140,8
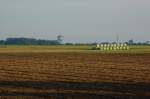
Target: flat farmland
x,y
67,48
75,67
74,75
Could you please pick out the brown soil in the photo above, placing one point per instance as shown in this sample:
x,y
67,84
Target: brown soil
x,y
75,75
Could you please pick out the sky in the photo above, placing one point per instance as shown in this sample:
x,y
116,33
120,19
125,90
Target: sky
x,y
76,20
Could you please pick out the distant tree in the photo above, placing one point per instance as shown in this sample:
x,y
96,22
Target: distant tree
x,y
147,42
69,44
28,41
105,43
60,38
2,42
114,42
131,42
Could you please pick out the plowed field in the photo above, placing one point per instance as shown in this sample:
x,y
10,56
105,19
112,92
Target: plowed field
x,y
75,75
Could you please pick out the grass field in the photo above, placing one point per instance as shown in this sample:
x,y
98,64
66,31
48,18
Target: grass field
x,y
74,72
67,48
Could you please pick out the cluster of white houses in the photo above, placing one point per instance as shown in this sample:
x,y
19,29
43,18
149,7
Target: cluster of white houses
x,y
120,46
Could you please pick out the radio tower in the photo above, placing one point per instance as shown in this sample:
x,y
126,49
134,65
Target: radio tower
x,y
117,39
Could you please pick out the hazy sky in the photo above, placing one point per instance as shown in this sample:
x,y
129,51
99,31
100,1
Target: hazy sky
x,y
77,20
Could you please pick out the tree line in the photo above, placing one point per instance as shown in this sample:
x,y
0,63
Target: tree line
x,y
28,41
33,41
